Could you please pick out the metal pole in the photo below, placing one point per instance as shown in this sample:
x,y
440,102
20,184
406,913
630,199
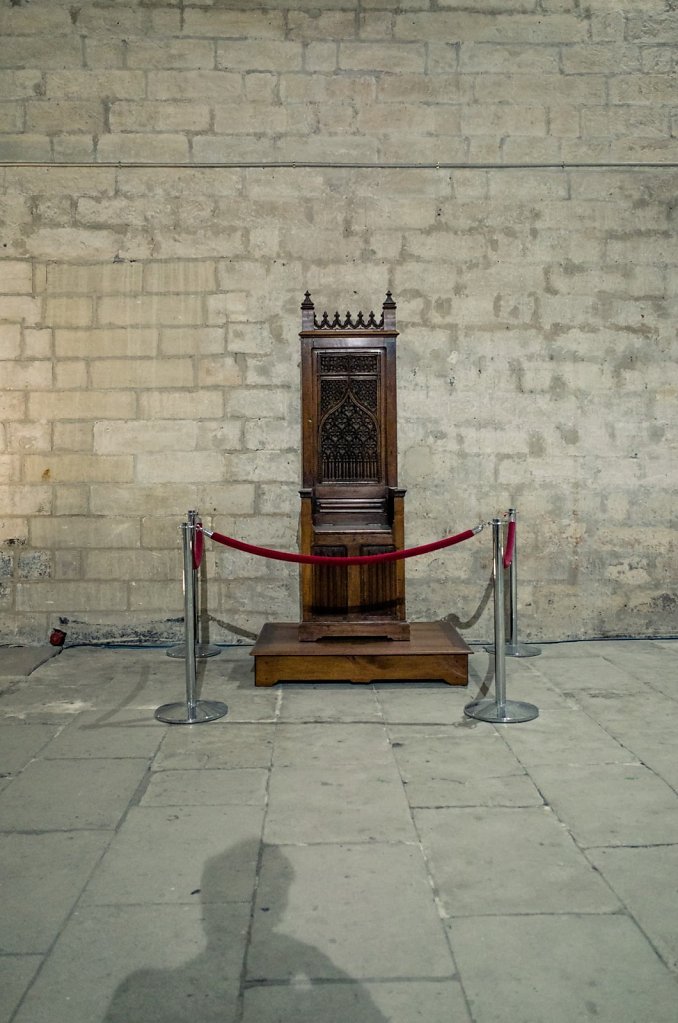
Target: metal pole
x,y
499,625
201,649
513,647
499,711
194,711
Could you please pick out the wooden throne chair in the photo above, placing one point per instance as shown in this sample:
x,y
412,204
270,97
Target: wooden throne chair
x,y
351,503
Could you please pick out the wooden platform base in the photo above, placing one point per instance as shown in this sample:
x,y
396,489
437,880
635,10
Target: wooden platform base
x,y
434,651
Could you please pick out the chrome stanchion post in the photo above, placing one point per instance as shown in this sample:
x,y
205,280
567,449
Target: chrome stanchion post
x,y
194,711
513,647
202,649
499,711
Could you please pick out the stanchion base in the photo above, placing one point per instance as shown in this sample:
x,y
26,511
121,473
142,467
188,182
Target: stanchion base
x,y
517,650
201,650
509,713
185,714
522,650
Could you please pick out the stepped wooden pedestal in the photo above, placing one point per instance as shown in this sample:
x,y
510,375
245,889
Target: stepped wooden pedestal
x,y
435,651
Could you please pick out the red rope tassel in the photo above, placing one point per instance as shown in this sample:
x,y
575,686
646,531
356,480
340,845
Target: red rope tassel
x,y
198,544
362,559
510,543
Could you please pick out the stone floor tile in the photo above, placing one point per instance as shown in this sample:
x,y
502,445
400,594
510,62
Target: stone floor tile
x,y
613,804
642,659
564,737
62,795
338,804
160,854
460,767
653,905
16,973
42,877
338,912
236,787
508,860
571,674
561,969
329,702
522,681
325,745
407,1001
93,734
156,964
422,702
220,744
19,743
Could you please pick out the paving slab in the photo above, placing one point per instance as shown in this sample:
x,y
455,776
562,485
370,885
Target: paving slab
x,y
423,703
428,1001
95,734
235,787
334,912
653,905
564,737
19,744
120,964
634,720
160,853
329,702
562,968
221,744
22,660
332,804
16,974
572,671
449,766
508,860
42,877
615,804
317,745
61,795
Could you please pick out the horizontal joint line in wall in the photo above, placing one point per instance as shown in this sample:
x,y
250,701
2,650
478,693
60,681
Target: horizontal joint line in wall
x,y
320,165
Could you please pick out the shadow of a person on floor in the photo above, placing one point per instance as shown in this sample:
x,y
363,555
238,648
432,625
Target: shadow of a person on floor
x,y
296,982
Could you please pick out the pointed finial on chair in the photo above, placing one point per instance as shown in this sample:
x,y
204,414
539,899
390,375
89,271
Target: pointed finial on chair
x,y
389,308
307,312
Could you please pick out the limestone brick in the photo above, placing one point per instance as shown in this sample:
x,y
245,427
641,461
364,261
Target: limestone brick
x,y
67,596
192,467
142,310
132,342
73,468
143,147
10,340
259,55
407,57
177,276
208,86
141,373
25,500
42,50
222,371
154,115
28,376
81,405
170,54
179,404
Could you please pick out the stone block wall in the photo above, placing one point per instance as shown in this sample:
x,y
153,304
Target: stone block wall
x,y
174,174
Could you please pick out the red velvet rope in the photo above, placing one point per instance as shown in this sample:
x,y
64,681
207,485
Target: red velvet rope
x,y
510,543
197,545
362,559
